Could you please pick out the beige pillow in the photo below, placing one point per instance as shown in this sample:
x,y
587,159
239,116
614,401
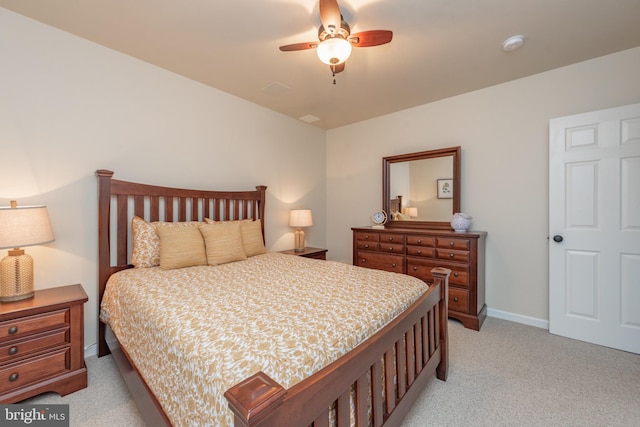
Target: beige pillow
x,y
252,241
223,242
180,246
145,243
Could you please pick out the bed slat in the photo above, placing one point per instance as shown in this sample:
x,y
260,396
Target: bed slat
x,y
342,409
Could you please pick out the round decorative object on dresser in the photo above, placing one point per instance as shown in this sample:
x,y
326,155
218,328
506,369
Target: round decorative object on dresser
x,y
378,218
461,222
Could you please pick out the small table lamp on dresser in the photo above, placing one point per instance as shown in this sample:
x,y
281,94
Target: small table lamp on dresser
x,y
19,227
300,218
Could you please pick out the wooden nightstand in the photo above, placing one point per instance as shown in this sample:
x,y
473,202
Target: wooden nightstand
x,y
42,344
316,253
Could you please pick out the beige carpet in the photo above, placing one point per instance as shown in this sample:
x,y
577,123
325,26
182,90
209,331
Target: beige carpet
x,y
505,375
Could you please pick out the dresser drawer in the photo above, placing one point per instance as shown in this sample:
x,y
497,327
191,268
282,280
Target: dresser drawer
x,y
421,251
391,248
421,241
391,239
381,261
33,370
15,328
367,237
367,246
459,300
453,255
17,349
453,243
422,270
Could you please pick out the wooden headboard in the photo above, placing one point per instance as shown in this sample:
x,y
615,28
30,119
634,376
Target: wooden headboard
x,y
395,205
156,203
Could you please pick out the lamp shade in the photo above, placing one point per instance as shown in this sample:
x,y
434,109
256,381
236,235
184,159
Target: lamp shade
x,y
24,226
334,51
300,218
411,211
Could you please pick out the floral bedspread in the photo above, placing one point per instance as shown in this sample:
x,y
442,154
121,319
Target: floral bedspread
x,y
195,332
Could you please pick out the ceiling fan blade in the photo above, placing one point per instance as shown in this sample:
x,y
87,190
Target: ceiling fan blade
x,y
337,68
330,15
299,46
370,38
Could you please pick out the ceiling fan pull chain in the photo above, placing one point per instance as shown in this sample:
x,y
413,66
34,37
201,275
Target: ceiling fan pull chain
x,y
333,70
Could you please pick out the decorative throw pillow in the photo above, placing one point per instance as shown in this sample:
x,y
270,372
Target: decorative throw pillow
x,y
180,246
223,242
145,243
252,241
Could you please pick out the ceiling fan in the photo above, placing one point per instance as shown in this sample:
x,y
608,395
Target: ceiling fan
x,y
335,38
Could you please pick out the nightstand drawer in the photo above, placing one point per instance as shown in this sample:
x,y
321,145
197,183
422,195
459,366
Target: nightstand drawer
x,y
15,328
33,370
17,349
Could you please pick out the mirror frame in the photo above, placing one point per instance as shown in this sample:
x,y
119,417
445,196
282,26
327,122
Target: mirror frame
x,y
386,185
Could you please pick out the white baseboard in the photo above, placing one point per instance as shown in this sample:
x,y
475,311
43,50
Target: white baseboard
x,y
91,351
518,318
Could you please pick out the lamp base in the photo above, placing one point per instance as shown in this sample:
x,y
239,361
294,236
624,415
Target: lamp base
x,y
16,276
298,240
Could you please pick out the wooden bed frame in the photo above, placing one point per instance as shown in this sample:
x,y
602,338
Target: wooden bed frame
x,y
387,371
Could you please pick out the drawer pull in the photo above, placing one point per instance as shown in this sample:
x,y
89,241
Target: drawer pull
x,y
455,274
390,249
455,299
419,252
393,265
12,351
366,246
13,330
364,260
451,255
13,376
366,237
450,243
419,241
391,239
415,268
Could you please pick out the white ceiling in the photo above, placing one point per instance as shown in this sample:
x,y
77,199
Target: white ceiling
x,y
440,48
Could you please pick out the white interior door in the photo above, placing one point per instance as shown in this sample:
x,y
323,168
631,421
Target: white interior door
x,y
594,227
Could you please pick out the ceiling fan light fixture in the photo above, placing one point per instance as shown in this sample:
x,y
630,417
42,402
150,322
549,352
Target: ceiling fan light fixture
x,y
334,50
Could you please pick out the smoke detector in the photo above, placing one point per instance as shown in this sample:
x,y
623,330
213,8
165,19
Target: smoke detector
x,y
513,43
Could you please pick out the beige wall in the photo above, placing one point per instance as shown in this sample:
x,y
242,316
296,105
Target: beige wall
x,y
69,107
503,131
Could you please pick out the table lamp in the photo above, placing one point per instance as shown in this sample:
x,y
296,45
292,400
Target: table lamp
x,y
300,218
21,226
412,212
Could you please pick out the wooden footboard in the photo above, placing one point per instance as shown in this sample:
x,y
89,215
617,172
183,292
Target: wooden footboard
x,y
387,373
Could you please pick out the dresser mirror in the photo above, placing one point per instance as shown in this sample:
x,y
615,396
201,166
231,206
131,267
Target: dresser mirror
x,y
421,190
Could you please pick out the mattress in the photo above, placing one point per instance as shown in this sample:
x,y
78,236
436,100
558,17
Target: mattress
x,y
195,332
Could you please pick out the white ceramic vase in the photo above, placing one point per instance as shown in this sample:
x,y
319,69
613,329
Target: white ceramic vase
x,y
460,222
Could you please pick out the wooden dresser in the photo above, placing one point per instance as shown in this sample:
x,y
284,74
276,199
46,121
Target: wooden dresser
x,y
41,344
417,251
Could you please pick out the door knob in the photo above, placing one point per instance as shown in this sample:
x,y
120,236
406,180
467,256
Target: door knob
x,y
557,238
